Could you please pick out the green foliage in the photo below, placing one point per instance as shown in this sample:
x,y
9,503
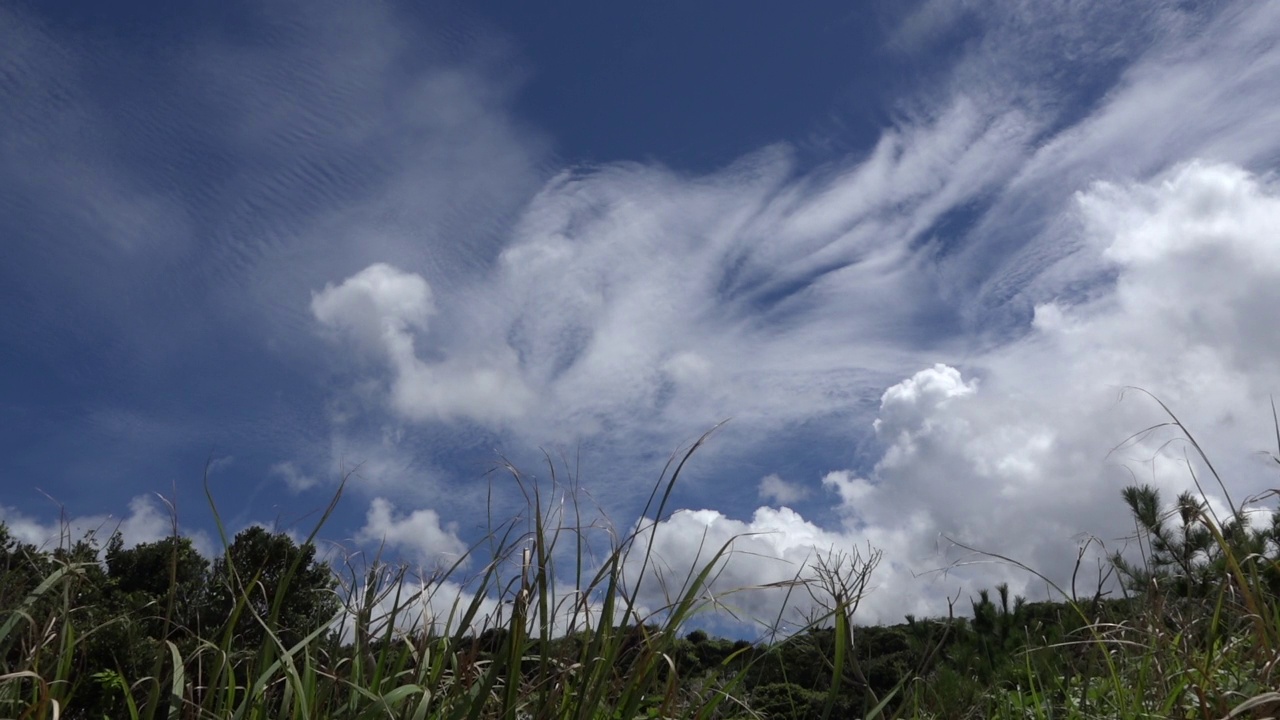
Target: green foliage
x,y
162,584
1186,550
790,700
98,638
265,573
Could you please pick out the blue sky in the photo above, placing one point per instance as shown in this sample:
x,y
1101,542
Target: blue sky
x,y
912,251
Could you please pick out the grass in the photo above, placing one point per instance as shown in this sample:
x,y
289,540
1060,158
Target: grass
x,y
542,630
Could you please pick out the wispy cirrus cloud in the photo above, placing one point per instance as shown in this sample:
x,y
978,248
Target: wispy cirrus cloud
x,y
183,199
630,298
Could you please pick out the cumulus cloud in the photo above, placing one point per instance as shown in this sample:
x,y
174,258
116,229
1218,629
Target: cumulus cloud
x,y
419,536
1027,452
412,604
773,487
906,408
383,309
148,520
759,579
408,605
293,476
378,307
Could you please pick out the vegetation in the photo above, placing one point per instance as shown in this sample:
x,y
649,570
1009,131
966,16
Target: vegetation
x,y
1189,628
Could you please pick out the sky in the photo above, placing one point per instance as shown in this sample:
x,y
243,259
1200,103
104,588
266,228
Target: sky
x,y
929,268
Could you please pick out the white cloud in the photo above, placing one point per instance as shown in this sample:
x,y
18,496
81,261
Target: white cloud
x,y
1186,318
410,605
148,520
773,487
384,309
293,476
379,307
905,408
756,580
218,464
927,23
633,302
1201,89
419,535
